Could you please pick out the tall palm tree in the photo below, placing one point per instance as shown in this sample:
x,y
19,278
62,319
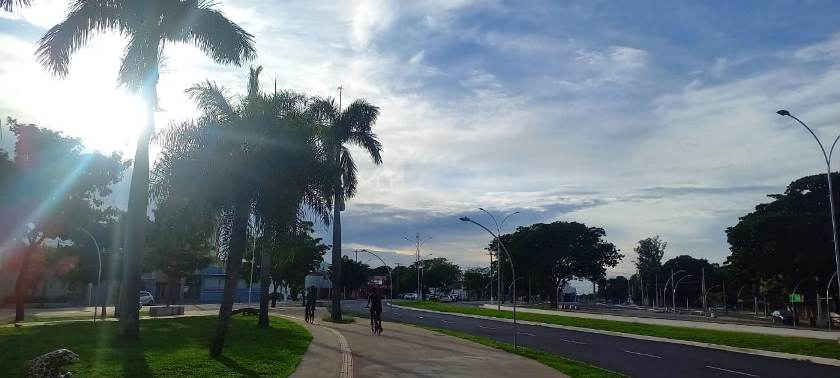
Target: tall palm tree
x,y
10,5
338,129
253,157
149,26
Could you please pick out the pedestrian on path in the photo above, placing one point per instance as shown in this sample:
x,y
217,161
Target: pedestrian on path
x,y
309,300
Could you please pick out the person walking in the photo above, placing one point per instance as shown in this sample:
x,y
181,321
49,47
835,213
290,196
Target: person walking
x,y
375,305
310,305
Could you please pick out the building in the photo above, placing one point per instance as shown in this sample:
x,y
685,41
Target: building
x,y
321,282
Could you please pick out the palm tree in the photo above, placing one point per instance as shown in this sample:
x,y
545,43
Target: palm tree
x,y
255,157
340,128
10,5
149,26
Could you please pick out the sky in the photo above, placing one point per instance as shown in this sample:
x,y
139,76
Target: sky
x,y
644,118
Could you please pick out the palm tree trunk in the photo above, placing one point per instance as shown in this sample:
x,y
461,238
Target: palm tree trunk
x,y
138,203
336,258
265,282
234,261
22,282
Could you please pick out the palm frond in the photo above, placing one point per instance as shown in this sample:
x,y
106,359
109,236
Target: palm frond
x,y
254,82
211,99
140,62
348,173
359,116
208,29
84,20
10,5
368,141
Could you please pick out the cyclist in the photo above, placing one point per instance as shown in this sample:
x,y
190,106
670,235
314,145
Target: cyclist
x,y
375,305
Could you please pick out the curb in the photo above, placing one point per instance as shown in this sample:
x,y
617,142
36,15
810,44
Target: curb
x,y
343,346
757,352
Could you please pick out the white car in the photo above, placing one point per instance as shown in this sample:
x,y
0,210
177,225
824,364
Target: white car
x,y
146,298
447,298
411,296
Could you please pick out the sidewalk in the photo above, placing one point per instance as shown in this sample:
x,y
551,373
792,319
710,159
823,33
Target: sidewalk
x,y
775,331
406,351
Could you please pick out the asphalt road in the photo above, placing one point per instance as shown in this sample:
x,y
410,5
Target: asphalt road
x,y
634,357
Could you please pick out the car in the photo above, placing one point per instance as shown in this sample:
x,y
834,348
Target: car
x,y
781,316
146,298
410,296
447,298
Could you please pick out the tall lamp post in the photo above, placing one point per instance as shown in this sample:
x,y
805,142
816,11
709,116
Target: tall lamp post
x,y
418,243
99,272
827,157
512,271
390,277
499,225
674,291
665,289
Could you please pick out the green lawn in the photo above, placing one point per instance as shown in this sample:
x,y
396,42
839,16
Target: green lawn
x,y
174,347
795,345
571,368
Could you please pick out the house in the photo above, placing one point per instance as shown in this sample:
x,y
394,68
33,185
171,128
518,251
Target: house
x,y
321,282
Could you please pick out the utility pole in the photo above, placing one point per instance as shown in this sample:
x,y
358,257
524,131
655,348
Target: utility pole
x,y
340,89
417,244
703,287
656,292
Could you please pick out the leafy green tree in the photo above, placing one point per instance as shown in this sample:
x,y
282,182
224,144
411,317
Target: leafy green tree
x,y
691,287
649,252
476,281
439,273
178,242
339,129
148,26
355,274
559,252
785,241
298,256
55,189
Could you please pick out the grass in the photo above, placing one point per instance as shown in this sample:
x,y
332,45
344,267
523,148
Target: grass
x,y
42,319
569,367
785,344
174,347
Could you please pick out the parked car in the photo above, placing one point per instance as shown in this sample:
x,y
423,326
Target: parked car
x,y
781,316
410,296
146,298
447,298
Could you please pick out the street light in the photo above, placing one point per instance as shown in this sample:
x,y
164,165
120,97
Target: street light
x,y
827,304
706,293
390,277
674,291
512,271
418,244
99,272
827,157
500,294
665,289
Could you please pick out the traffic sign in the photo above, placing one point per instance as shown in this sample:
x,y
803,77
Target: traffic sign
x,y
796,298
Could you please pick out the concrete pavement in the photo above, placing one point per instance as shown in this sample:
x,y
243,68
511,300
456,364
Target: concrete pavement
x,y
406,351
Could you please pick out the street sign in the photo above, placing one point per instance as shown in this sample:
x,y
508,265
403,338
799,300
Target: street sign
x,y
796,298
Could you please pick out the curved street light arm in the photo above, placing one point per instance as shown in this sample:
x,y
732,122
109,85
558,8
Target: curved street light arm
x,y
516,212
678,282
831,150
498,226
825,156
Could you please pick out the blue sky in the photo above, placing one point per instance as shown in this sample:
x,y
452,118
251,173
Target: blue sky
x,y
644,118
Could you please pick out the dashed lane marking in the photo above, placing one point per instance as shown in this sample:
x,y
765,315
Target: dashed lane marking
x,y
642,354
573,341
731,371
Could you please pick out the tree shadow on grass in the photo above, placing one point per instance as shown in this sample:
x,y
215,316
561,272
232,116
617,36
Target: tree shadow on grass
x,y
237,367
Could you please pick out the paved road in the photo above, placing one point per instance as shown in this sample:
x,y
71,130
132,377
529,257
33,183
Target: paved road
x,y
637,358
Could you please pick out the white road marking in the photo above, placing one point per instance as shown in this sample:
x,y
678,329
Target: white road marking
x,y
446,321
731,371
573,341
526,333
642,354
481,326
420,317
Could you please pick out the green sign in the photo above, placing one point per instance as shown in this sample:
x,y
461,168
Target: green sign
x,y
796,298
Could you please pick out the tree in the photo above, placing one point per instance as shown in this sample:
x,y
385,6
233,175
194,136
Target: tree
x,y
556,253
439,273
785,241
355,274
257,157
178,242
301,254
10,5
340,128
477,281
649,254
54,190
149,26
692,287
